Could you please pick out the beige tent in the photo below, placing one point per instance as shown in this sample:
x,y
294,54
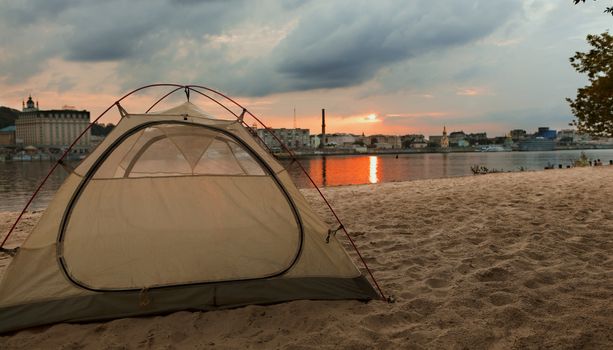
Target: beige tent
x,y
175,210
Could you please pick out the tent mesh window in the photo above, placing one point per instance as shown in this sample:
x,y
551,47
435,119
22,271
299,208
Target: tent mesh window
x,y
178,150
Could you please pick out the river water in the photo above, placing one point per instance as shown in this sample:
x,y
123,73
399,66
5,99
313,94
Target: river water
x,y
19,179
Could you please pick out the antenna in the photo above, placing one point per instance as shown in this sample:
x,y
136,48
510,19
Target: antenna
x,y
295,124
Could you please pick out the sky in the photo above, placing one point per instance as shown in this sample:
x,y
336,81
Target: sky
x,y
393,67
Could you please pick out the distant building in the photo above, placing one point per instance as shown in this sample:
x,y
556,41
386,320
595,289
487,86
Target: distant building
x,y
537,144
546,133
7,136
341,140
568,136
292,138
499,140
51,129
456,136
508,141
458,139
463,143
407,141
315,140
385,141
518,134
435,140
440,141
418,145
444,139
479,138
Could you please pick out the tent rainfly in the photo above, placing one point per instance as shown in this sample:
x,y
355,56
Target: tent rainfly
x,y
172,211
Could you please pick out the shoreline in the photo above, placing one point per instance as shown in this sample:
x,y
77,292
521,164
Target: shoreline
x,y
312,154
507,260
330,152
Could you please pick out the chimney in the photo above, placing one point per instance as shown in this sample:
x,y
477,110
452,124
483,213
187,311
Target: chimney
x,y
322,143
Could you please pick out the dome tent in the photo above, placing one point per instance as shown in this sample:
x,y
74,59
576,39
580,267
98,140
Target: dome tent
x,y
174,210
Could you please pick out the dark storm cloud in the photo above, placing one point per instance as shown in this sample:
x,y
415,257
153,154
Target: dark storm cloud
x,y
28,12
331,44
108,44
129,32
139,29
340,44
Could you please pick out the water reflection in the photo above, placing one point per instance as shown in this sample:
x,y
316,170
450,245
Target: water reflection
x,y
373,170
364,169
18,180
323,171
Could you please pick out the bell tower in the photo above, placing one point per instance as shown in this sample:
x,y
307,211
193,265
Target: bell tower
x,y
444,139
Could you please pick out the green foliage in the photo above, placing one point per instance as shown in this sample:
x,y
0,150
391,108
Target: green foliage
x,y
607,10
482,170
7,116
102,129
593,106
582,161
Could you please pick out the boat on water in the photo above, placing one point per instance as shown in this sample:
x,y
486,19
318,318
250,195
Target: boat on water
x,y
537,144
22,157
492,148
27,157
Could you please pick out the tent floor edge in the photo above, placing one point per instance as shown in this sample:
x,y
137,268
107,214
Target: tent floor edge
x,y
202,297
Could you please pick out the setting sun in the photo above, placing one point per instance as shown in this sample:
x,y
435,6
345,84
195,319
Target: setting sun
x,y
371,117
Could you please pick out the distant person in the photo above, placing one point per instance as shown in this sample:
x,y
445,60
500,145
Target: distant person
x,y
590,162
598,162
610,162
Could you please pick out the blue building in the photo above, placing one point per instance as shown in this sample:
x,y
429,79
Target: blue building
x,y
546,133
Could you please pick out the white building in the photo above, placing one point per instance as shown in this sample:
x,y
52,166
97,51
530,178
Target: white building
x,y
315,141
292,138
340,140
385,141
51,129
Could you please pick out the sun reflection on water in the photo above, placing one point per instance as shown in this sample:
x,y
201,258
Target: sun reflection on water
x,y
373,178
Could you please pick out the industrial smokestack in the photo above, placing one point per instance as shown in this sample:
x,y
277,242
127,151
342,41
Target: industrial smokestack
x,y
322,143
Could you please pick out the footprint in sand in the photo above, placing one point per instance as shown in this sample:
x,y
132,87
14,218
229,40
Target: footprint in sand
x,y
532,284
437,283
495,274
500,299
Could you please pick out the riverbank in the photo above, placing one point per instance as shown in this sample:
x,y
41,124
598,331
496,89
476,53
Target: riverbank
x,y
508,260
331,152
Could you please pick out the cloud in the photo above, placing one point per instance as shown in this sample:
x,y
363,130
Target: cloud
x,y
345,43
474,91
301,45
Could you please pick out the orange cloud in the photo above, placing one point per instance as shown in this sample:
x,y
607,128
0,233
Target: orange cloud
x,y
478,91
418,114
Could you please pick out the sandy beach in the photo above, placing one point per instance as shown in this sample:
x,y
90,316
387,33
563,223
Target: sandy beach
x,y
502,261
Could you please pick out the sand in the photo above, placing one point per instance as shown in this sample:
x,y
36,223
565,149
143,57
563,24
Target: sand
x,y
503,261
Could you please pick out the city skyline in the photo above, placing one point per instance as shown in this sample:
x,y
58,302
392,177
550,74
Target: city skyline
x,y
414,67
